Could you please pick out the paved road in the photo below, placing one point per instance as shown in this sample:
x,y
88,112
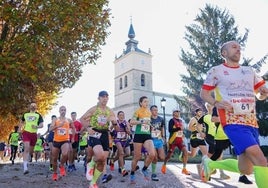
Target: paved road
x,y
39,176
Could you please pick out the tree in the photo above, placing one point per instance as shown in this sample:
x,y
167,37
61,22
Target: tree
x,y
211,29
44,46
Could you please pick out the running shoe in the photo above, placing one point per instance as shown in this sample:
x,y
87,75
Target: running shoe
x,y
73,167
154,177
244,179
26,172
62,171
89,172
132,179
54,176
224,176
185,171
146,174
12,161
124,172
137,168
164,169
206,170
93,186
69,169
106,178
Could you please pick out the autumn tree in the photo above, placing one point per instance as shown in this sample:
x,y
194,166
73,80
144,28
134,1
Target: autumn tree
x,y
211,28
43,48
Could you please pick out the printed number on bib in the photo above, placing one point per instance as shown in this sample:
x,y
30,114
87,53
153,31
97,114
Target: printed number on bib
x,y
145,128
198,136
61,131
179,134
95,135
156,134
121,135
243,105
102,120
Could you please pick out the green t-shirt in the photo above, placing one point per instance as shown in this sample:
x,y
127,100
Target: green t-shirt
x,y
14,138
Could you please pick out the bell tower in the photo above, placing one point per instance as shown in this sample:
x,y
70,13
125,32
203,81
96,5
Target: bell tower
x,y
133,76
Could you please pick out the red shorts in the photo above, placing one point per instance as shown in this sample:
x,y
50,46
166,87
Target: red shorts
x,y
29,137
178,142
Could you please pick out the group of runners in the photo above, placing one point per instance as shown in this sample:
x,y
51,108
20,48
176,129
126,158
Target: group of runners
x,y
234,115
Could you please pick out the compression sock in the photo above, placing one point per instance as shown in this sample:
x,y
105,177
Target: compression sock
x,y
226,164
261,176
91,163
25,167
96,176
153,168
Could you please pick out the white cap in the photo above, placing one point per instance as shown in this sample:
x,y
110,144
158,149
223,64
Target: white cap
x,y
176,110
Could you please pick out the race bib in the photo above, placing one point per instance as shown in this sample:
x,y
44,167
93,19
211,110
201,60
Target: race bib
x,y
179,134
156,134
102,120
61,131
121,135
95,135
145,128
243,105
198,136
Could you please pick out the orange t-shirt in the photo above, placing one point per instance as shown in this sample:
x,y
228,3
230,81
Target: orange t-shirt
x,y
61,133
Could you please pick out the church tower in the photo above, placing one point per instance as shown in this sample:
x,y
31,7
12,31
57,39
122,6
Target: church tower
x,y
133,76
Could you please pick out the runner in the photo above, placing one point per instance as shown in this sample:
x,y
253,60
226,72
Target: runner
x,y
121,142
98,118
157,134
176,139
74,146
38,148
49,138
235,90
142,137
30,122
61,141
13,140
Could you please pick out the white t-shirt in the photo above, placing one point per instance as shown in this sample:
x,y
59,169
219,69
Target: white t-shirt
x,y
235,85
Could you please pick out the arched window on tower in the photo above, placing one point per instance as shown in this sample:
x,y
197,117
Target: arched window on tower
x,y
125,81
120,83
142,80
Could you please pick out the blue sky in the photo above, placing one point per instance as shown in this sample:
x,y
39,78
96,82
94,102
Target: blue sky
x,y
160,26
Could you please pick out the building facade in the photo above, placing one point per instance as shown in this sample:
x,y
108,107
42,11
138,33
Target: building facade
x,y
134,78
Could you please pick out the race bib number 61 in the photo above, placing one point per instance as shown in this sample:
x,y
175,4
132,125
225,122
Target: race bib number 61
x,y
243,105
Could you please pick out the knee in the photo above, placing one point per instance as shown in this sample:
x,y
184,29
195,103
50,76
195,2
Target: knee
x,y
161,158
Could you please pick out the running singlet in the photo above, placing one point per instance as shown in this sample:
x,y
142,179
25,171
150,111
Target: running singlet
x,y
39,145
121,134
83,141
14,139
32,119
62,133
157,125
235,85
210,126
99,120
142,114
